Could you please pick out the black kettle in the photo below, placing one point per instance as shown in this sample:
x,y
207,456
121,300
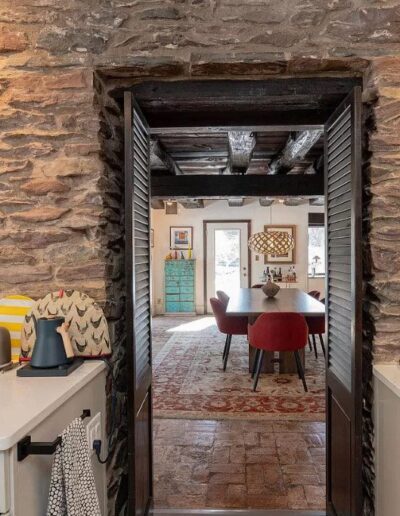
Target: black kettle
x,y
52,346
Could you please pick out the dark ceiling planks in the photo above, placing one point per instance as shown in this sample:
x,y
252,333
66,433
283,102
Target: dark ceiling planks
x,y
208,153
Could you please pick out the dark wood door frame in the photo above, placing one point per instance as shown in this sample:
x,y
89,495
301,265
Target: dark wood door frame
x,y
222,221
357,452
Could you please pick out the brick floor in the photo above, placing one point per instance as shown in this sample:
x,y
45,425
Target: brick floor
x,y
239,464
235,464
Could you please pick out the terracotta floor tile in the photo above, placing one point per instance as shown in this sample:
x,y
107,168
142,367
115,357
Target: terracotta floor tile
x,y
315,496
236,496
220,454
296,497
227,478
177,501
228,468
237,455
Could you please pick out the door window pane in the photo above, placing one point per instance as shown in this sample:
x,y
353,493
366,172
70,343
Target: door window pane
x,y
227,260
316,250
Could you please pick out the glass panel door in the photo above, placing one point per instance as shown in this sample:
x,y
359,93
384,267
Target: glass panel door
x,y
227,266
227,260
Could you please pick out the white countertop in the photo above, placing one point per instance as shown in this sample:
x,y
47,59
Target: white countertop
x,y
26,402
389,374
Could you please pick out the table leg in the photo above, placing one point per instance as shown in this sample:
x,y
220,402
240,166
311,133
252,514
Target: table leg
x,y
288,362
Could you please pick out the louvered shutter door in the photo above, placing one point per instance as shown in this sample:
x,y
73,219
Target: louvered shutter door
x,y
138,315
343,294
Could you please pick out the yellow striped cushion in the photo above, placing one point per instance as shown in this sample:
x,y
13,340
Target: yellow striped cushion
x,y
12,312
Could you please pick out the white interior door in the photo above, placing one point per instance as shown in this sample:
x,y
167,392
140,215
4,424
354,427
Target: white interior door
x,y
227,265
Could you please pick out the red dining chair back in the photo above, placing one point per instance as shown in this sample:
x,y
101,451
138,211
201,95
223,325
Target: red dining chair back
x,y
315,294
229,325
316,326
283,331
223,297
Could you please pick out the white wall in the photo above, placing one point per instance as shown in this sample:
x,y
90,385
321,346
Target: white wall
x,y
219,210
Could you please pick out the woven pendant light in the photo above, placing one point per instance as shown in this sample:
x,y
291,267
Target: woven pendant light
x,y
273,242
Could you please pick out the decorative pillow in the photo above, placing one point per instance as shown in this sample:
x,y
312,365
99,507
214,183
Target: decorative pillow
x,y
88,327
12,315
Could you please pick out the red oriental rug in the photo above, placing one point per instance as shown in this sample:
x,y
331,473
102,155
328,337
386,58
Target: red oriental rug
x,y
189,381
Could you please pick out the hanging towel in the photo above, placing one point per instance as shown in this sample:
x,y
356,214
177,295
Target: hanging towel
x,y
72,487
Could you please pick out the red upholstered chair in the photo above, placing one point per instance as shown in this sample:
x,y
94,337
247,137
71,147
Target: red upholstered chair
x,y
315,294
229,325
316,326
281,331
223,297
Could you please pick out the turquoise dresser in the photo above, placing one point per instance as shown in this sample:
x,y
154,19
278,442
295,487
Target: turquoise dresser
x,y
180,286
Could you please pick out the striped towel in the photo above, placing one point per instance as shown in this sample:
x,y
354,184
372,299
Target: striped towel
x,y
12,313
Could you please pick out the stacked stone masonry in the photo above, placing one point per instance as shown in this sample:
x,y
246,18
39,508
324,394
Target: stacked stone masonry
x,y
60,134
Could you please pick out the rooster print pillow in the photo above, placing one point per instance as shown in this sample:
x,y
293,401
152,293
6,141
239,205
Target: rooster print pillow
x,y
88,327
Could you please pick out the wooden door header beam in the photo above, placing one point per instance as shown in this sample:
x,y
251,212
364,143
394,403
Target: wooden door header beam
x,y
206,129
217,186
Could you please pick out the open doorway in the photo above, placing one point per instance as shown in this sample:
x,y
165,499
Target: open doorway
x,y
341,188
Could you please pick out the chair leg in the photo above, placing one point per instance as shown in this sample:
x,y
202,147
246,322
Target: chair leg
x,y
259,363
300,370
309,343
322,344
228,347
315,346
253,372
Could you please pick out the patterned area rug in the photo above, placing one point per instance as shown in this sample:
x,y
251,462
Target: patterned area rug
x,y
189,381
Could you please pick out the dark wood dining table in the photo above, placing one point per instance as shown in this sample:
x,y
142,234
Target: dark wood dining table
x,y
252,302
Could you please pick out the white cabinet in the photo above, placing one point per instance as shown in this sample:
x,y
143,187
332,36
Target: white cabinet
x,y
387,439
42,408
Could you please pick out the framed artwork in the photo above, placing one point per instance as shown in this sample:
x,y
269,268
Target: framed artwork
x,y
151,237
181,237
290,256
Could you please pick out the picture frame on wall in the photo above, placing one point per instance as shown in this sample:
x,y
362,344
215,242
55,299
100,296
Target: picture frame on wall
x,y
290,256
181,237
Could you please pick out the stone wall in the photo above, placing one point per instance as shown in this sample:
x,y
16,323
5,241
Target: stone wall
x,y
60,155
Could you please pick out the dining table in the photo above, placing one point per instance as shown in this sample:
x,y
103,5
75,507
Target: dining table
x,y
252,302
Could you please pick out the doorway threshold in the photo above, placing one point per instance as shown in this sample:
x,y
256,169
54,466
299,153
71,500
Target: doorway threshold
x,y
234,512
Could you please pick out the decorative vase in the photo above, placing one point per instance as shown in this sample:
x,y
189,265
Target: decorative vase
x,y
270,289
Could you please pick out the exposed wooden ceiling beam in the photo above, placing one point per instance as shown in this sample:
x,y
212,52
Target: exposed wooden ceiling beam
x,y
295,149
217,186
191,204
294,201
241,146
236,203
158,155
265,201
317,201
157,204
317,167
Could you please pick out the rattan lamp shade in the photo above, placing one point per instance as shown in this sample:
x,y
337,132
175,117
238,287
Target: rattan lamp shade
x,y
273,242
